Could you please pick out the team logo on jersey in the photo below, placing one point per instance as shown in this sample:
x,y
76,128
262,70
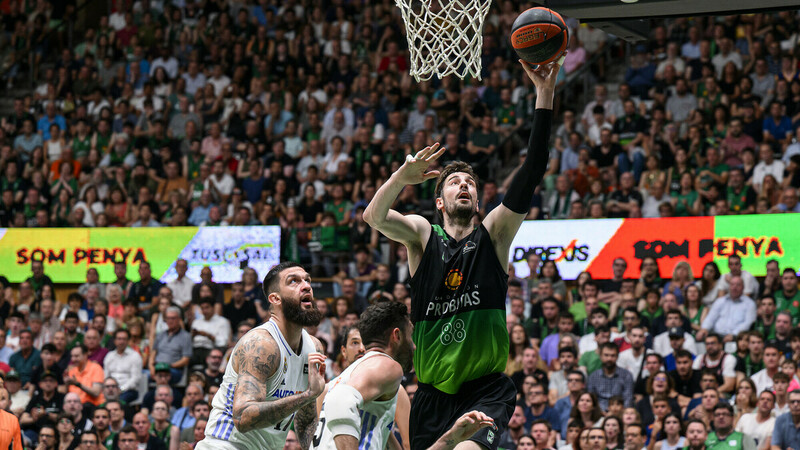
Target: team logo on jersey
x,y
285,365
453,279
490,436
468,247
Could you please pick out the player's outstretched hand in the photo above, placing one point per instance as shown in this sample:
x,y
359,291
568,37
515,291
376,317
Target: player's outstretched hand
x,y
316,373
415,169
466,425
544,76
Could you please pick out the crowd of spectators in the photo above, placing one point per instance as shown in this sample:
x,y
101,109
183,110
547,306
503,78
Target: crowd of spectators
x,y
293,113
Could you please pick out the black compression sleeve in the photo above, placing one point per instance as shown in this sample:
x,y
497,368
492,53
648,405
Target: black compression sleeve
x,y
520,191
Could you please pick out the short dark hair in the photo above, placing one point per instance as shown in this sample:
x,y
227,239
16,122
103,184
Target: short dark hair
x,y
270,283
637,425
127,429
205,300
577,373
545,422
609,346
683,353
71,315
378,321
123,330
726,406
568,350
49,347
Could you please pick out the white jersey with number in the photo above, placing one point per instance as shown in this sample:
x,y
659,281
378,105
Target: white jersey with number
x,y
290,378
377,417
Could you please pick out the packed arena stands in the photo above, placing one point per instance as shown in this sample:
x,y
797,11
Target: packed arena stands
x,y
292,113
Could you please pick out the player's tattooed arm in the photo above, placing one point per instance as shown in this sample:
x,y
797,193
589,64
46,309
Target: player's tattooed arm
x,y
256,359
305,420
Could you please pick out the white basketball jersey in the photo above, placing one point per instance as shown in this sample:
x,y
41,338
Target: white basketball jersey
x,y
377,418
290,378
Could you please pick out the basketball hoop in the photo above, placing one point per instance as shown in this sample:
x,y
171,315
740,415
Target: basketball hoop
x,y
444,36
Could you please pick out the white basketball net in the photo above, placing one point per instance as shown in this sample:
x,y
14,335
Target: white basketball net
x,y
444,36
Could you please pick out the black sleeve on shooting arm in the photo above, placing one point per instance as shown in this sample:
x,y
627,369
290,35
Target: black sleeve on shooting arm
x,y
520,192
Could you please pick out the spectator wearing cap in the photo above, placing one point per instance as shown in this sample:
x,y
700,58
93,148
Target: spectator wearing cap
x,y
49,356
18,397
124,365
173,346
26,359
162,391
84,377
44,406
673,320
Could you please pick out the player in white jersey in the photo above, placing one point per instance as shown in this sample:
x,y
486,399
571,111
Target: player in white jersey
x,y
275,373
359,407
353,349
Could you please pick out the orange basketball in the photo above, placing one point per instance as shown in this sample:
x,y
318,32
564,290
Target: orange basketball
x,y
539,35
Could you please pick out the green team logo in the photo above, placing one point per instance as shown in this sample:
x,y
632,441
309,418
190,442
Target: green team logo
x,y
490,436
453,331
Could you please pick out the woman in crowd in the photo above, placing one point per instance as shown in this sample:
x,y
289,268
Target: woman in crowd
x,y
745,400
710,285
586,411
693,307
615,440
681,278
519,342
659,385
670,434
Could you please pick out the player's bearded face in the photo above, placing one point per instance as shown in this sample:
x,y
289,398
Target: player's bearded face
x,y
302,311
459,201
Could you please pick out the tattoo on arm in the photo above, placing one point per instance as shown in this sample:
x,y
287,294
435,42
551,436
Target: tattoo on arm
x,y
257,359
305,424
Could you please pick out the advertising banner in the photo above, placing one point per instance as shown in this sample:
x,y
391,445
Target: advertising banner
x,y
592,245
68,252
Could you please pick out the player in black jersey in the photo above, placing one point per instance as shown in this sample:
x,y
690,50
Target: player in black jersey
x,y
459,281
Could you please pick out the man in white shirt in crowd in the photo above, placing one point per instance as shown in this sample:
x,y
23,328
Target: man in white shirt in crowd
x,y
220,182
767,165
750,288
182,286
763,378
731,314
656,195
632,358
209,331
760,423
124,364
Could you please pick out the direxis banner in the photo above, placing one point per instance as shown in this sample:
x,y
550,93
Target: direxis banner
x,y
68,252
592,245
